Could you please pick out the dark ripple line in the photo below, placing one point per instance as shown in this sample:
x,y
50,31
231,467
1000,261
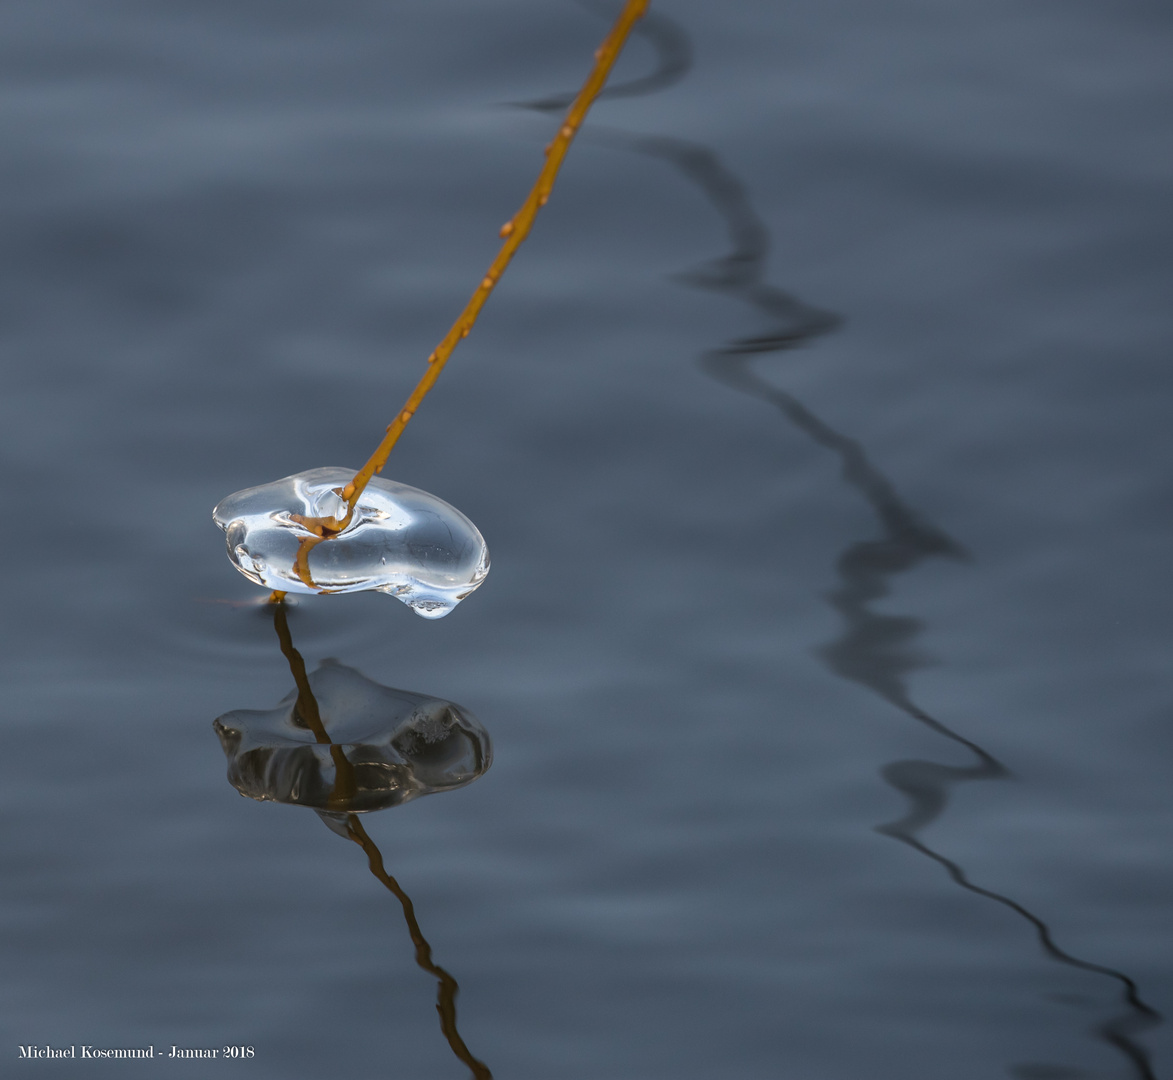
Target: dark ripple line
x,y
875,650
673,49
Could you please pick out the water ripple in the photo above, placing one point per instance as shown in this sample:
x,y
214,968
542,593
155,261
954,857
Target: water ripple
x,y
875,650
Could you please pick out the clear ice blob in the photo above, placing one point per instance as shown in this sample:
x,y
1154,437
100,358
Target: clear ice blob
x,y
385,746
400,541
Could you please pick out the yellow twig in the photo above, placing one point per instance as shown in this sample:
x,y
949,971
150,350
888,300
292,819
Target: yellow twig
x,y
514,231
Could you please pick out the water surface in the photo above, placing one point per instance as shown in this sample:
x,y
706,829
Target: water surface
x,y
820,436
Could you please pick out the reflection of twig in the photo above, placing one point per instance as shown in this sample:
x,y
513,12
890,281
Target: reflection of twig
x,y
673,55
875,648
306,711
873,651
447,989
1119,1031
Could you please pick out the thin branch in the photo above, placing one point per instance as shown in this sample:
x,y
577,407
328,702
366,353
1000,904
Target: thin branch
x,y
514,232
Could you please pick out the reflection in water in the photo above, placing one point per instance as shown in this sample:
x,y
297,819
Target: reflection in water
x,y
342,744
875,649
447,988
345,744
673,61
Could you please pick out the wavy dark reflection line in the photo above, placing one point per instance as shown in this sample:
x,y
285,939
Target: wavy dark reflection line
x,y
349,826
875,649
673,49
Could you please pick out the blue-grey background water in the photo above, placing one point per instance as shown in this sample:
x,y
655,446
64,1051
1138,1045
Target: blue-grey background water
x,y
825,672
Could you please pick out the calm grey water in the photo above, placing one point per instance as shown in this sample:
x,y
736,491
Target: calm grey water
x,y
820,435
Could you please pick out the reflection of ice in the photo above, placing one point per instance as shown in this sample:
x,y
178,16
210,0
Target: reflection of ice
x,y
401,541
342,744
398,745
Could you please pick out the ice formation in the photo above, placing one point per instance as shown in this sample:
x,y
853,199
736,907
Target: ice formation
x,y
400,541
